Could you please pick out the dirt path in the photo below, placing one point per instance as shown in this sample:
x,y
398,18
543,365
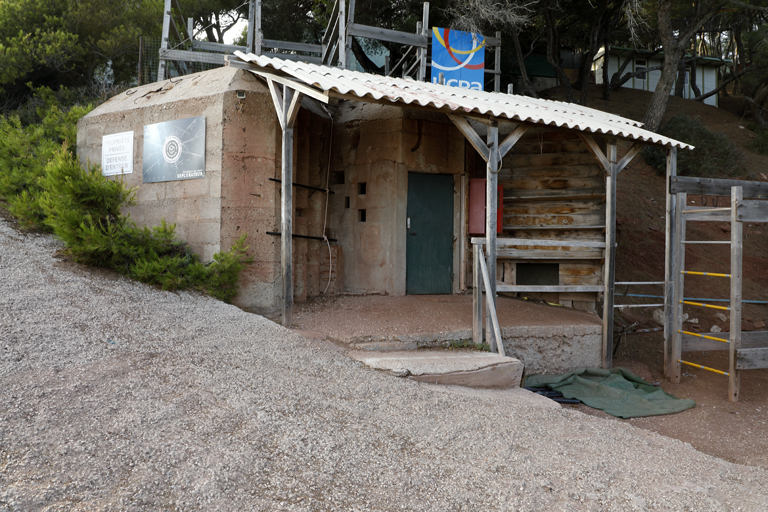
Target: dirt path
x,y
118,396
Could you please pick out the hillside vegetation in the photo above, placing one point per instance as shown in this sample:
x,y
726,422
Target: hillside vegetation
x,y
43,184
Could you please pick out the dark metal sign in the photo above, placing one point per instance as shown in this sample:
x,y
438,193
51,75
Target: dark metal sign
x,y
174,150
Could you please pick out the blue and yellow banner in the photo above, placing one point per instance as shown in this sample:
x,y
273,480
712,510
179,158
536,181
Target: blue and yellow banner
x,y
460,56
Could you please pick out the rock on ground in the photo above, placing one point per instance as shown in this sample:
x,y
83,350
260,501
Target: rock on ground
x,y
118,396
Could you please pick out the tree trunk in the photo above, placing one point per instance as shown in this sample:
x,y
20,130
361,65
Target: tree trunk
x,y
756,106
658,105
723,84
368,65
606,59
553,55
674,43
585,66
615,79
527,86
680,82
694,88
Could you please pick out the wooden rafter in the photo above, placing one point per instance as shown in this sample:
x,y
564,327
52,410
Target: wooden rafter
x,y
471,135
596,151
631,154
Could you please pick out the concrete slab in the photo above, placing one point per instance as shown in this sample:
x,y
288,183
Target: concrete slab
x,y
448,367
545,338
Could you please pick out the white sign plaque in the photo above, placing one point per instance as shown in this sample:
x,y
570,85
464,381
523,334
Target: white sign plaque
x,y
117,154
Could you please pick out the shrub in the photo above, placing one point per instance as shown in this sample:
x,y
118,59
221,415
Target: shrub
x,y
83,208
46,187
715,155
26,148
760,143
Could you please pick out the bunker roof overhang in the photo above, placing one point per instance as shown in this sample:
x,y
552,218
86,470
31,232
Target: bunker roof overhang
x,y
461,106
323,83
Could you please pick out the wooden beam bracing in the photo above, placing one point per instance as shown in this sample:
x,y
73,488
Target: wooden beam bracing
x,y
544,242
385,34
512,139
631,154
717,187
277,99
562,288
752,211
477,297
596,151
293,84
471,135
293,109
491,308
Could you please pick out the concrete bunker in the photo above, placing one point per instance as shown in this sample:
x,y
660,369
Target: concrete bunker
x,y
363,151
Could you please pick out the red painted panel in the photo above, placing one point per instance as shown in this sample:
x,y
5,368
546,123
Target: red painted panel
x,y
477,207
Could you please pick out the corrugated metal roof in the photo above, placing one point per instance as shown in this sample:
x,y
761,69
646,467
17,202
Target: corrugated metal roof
x,y
426,94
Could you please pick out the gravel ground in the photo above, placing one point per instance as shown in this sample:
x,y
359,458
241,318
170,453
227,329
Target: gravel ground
x,y
118,396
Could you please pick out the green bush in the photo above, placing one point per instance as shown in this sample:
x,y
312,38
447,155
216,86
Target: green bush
x,y
715,155
26,148
46,187
760,143
83,208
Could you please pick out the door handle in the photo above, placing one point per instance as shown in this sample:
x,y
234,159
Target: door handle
x,y
408,223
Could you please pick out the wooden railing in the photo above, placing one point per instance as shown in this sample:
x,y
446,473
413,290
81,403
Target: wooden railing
x,y
511,248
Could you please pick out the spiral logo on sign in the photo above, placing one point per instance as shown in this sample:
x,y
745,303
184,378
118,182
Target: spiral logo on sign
x,y
172,149
444,40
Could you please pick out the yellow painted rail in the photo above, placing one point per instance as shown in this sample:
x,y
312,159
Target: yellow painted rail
x,y
703,336
704,273
702,367
704,305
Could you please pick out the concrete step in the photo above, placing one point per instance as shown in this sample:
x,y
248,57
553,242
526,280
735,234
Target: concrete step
x,y
448,367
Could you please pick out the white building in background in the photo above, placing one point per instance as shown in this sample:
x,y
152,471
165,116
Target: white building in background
x,y
706,71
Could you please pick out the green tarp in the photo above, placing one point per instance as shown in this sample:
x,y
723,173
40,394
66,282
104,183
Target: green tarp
x,y
617,391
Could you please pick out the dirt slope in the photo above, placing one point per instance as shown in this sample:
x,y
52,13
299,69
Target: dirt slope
x,y
716,426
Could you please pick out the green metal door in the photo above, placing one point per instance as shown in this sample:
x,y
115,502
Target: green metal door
x,y
429,246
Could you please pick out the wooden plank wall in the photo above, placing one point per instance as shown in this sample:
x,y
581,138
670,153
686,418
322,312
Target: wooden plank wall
x,y
554,188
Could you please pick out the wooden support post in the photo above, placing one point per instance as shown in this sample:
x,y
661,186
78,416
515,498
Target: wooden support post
x,y
287,106
669,261
258,33
255,35
348,42
422,53
491,309
674,369
497,66
737,195
342,42
477,297
610,254
286,244
251,26
463,233
161,69
492,200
